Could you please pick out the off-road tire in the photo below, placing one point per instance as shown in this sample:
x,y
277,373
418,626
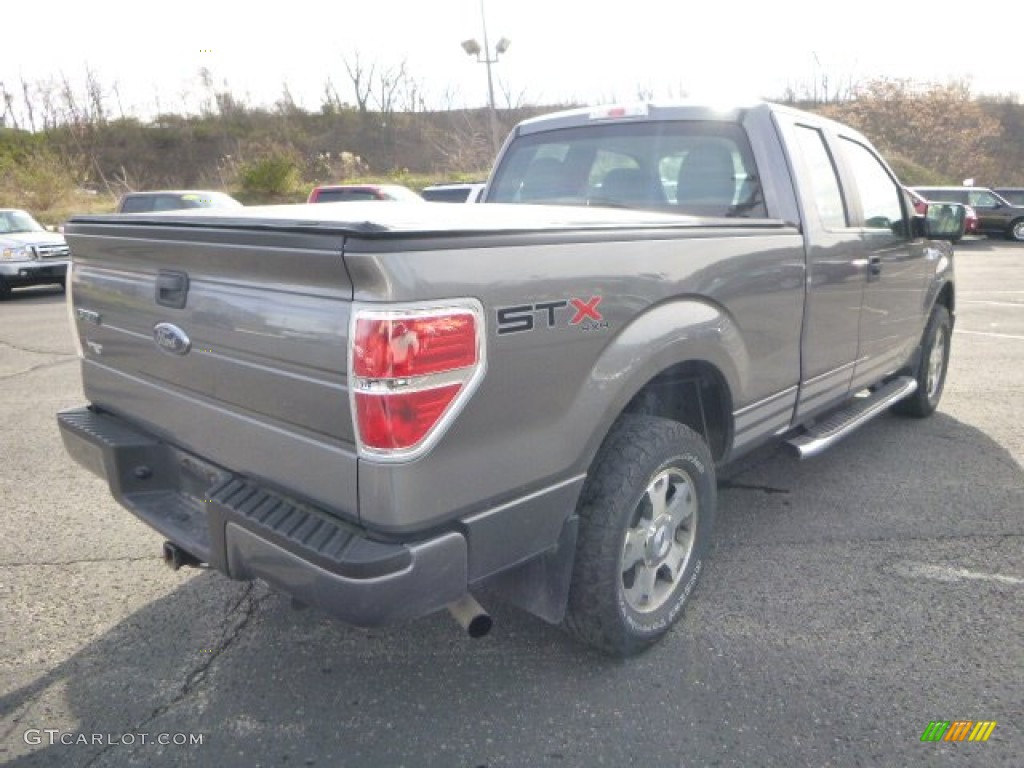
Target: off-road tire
x,y
644,461
931,367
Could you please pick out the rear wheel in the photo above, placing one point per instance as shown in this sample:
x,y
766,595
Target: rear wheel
x,y
1016,231
931,370
646,514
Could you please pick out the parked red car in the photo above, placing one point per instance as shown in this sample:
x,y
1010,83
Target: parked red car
x,y
337,193
971,224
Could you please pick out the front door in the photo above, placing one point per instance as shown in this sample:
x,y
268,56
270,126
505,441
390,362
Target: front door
x,y
892,316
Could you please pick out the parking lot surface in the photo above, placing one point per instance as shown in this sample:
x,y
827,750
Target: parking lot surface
x,y
849,601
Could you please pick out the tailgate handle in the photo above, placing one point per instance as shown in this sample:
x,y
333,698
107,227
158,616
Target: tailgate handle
x,y
171,289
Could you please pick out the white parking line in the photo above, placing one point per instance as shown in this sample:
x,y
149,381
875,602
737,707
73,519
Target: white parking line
x,y
994,335
949,574
994,303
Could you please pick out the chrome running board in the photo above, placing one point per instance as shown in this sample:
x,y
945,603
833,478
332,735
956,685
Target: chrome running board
x,y
859,411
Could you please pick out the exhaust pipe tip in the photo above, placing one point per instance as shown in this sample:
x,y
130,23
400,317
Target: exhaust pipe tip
x,y
471,616
175,557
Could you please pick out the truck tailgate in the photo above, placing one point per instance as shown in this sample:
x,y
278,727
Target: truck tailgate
x,y
226,340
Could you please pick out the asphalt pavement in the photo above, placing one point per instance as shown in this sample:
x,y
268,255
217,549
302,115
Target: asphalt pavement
x,y
849,601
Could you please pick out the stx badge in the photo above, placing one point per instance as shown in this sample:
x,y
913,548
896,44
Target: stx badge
x,y
579,313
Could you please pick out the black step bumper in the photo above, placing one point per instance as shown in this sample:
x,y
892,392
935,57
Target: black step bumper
x,y
246,531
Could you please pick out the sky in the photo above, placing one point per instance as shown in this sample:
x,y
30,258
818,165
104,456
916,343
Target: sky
x,y
148,56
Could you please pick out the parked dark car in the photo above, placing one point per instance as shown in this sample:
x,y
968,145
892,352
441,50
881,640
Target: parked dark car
x,y
465,192
29,253
996,216
1014,195
971,223
174,200
338,193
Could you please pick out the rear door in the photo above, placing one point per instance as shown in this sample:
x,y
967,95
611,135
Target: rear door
x,y
993,214
836,270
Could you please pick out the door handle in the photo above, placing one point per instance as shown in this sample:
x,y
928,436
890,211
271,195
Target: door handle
x,y
171,289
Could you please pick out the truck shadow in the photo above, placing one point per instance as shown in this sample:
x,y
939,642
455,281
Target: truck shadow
x,y
265,684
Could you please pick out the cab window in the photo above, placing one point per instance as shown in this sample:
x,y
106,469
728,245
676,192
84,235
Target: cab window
x,y
881,199
828,197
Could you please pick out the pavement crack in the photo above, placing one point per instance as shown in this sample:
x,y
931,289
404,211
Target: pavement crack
x,y
82,561
35,350
734,486
242,613
36,367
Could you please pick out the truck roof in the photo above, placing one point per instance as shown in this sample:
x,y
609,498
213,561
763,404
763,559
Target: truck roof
x,y
675,110
641,111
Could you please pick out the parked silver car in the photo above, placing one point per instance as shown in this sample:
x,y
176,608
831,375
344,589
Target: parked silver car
x,y
29,253
174,200
462,192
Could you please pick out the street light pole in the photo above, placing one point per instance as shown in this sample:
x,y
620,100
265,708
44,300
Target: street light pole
x,y
483,56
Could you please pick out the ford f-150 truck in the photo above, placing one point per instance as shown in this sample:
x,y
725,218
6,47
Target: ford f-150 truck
x,y
384,411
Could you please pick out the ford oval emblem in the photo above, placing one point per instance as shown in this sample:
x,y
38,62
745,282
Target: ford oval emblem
x,y
171,339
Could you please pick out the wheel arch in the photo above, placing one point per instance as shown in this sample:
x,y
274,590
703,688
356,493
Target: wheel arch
x,y
683,361
947,298
694,393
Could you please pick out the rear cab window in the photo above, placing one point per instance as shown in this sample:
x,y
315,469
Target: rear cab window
x,y
824,180
697,167
137,204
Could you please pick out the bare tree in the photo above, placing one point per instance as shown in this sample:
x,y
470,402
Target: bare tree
x,y
29,101
411,97
97,112
509,99
9,114
286,105
388,83
362,81
73,113
330,102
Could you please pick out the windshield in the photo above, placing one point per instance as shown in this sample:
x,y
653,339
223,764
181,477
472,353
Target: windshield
x,y
209,200
702,168
18,221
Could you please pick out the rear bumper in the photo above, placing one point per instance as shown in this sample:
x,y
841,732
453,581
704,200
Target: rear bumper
x,y
246,531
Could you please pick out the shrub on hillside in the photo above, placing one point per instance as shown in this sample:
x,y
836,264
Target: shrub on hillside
x,y
273,176
39,179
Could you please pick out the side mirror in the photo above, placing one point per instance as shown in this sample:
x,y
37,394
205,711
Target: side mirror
x,y
942,221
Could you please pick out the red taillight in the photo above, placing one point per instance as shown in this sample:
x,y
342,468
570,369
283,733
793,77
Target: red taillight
x,y
411,346
410,372
397,421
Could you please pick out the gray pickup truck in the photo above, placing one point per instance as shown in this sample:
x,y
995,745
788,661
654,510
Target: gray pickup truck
x,y
388,410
